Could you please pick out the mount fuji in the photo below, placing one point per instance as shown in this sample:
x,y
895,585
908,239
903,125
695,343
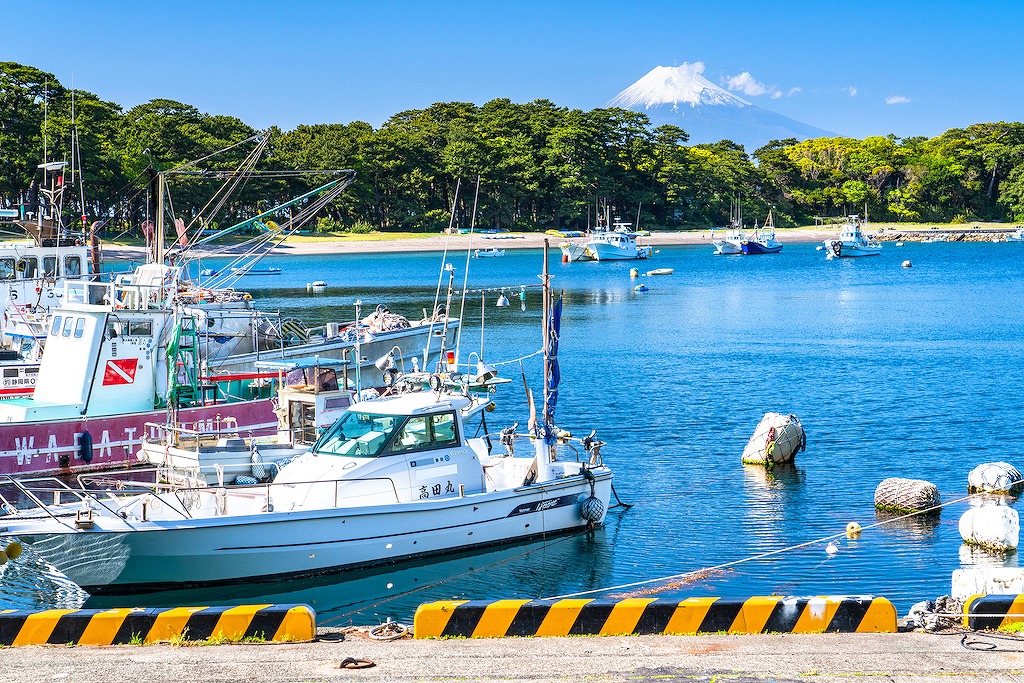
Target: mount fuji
x,y
681,96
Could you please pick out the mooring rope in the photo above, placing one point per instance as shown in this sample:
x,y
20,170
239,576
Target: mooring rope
x,y
771,553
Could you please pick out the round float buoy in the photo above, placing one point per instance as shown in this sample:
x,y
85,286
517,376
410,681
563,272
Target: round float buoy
x,y
908,264
831,548
853,530
592,509
634,273
640,288
13,550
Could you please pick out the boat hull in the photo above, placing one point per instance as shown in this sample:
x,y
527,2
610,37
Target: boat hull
x,y
410,341
727,247
576,252
270,546
609,252
55,446
752,248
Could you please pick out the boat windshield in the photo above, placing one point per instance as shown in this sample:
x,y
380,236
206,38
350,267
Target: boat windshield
x,y
358,434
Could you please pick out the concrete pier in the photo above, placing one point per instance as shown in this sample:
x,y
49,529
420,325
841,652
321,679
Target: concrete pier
x,y
807,658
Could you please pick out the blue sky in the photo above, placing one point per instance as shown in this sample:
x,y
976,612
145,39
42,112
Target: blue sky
x,y
856,68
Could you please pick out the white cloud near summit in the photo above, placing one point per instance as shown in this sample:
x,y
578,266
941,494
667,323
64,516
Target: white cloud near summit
x,y
746,84
898,99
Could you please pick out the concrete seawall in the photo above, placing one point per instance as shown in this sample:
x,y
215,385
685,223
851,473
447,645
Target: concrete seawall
x,y
917,657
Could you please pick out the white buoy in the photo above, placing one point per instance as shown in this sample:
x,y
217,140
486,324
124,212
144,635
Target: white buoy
x,y
908,264
818,248
994,527
899,244
995,477
831,548
777,438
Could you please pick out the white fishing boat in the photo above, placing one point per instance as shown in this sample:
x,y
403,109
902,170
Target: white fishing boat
x,y
270,270
396,478
310,398
1017,236
575,251
619,244
852,241
732,243
489,252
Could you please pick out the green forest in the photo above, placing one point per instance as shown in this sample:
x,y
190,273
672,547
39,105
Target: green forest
x,y
540,165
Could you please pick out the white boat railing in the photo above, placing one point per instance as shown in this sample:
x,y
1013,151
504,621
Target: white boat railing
x,y
565,447
118,295
116,495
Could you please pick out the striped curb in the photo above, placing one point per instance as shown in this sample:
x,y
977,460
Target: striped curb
x,y
771,614
993,611
124,626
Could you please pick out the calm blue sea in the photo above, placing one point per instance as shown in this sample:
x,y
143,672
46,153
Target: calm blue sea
x,y
909,372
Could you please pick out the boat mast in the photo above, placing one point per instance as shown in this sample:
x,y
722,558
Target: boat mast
x,y
158,237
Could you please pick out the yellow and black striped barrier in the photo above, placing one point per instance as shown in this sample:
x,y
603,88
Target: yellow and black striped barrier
x,y
137,625
993,611
639,616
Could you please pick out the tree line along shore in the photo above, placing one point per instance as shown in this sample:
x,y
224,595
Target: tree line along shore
x,y
539,165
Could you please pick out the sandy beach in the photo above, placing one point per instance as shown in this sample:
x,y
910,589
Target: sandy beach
x,y
358,244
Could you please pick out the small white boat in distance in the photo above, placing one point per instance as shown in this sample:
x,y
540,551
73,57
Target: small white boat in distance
x,y
1017,236
271,270
660,271
852,242
489,252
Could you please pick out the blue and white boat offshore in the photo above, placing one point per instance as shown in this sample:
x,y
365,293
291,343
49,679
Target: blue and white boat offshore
x,y
763,241
852,242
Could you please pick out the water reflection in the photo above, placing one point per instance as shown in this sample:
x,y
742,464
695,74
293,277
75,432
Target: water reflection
x,y
560,565
899,523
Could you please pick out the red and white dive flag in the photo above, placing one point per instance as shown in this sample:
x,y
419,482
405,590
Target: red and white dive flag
x,y
120,371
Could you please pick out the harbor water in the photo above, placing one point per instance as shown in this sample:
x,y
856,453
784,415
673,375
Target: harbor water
x,y
893,372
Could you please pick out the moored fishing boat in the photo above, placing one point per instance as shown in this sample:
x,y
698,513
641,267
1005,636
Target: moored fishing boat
x,y
105,375
763,241
732,243
852,242
396,478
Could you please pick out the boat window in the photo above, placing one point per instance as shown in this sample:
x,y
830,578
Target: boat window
x,y
414,436
426,432
56,326
49,266
10,372
140,328
7,271
337,402
66,332
79,328
72,266
358,434
29,267
444,429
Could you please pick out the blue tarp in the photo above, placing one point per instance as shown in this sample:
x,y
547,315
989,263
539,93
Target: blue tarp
x,y
554,375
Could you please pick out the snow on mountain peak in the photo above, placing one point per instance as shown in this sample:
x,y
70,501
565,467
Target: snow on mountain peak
x,y
675,85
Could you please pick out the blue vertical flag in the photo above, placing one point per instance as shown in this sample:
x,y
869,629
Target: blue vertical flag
x,y
554,326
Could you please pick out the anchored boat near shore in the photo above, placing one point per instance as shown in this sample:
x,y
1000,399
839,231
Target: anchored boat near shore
x,y
396,478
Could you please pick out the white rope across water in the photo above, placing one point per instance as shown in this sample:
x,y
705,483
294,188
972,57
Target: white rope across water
x,y
770,553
